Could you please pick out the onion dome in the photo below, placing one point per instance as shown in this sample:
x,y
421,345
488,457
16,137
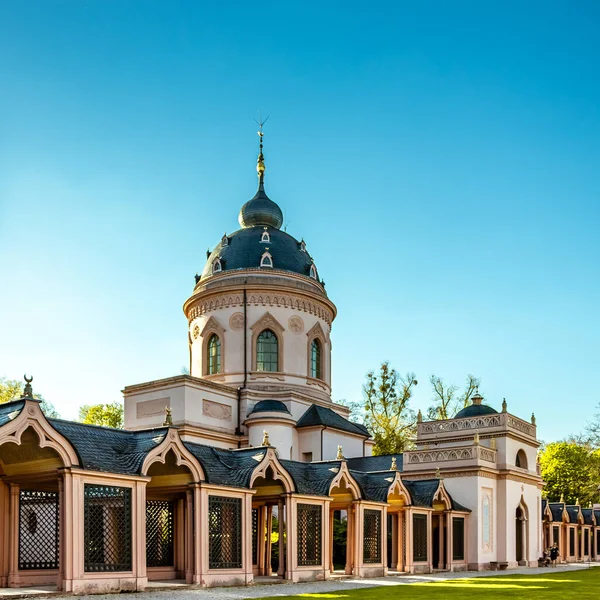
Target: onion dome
x,y
261,210
477,409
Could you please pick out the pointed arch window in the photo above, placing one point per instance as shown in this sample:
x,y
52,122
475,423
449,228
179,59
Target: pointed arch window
x,y
265,237
315,359
214,354
313,271
266,260
216,266
267,352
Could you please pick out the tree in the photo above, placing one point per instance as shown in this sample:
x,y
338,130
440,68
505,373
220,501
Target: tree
x,y
592,430
12,389
106,415
446,401
572,471
387,414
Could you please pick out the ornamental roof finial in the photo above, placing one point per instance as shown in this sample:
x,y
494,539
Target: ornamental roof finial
x,y
504,405
340,455
533,418
477,398
168,422
419,416
260,163
28,390
562,497
394,466
265,441
438,475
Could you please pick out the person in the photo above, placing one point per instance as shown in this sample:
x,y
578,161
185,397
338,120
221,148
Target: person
x,y
554,554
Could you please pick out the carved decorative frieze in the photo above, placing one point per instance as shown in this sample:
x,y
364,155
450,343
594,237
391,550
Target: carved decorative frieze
x,y
450,454
285,301
459,425
216,410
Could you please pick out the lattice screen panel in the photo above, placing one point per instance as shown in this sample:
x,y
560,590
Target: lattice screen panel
x,y
309,534
160,536
458,538
420,538
38,530
224,532
372,536
107,528
255,536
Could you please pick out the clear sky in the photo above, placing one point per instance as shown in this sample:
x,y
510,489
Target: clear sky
x,y
441,159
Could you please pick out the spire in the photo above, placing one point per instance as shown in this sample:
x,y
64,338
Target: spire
x,y
260,163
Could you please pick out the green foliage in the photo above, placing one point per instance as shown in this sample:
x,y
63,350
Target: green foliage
x,y
446,401
387,414
11,389
106,415
572,471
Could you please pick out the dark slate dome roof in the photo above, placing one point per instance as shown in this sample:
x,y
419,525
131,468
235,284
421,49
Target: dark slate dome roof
x,y
244,249
476,410
269,406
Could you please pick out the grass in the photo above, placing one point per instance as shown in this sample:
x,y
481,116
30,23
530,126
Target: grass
x,y
582,584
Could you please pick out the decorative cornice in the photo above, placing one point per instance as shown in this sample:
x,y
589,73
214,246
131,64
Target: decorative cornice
x,y
196,382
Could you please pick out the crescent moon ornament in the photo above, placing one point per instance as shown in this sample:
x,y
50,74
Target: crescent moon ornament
x,y
28,379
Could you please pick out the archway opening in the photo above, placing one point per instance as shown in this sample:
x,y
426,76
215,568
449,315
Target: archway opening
x,y
269,526
31,498
439,533
342,519
396,531
520,535
169,521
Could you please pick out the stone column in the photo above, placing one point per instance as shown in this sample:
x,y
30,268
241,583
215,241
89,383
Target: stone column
x,y
198,538
400,541
13,544
441,564
281,566
409,564
350,539
393,560
268,544
331,515
449,541
189,536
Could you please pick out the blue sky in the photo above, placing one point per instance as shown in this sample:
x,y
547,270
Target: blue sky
x,y
439,158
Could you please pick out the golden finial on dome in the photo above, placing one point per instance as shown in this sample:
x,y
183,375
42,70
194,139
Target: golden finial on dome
x,y
260,163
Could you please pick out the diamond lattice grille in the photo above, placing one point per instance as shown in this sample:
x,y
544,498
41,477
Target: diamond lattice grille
x,y
458,538
224,532
372,537
255,536
159,533
38,530
420,538
309,535
107,528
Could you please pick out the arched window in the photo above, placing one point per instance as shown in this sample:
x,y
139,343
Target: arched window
x,y
315,359
521,460
214,354
265,237
266,260
267,351
216,266
313,271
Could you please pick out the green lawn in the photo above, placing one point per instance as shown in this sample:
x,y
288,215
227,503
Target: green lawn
x,y
582,584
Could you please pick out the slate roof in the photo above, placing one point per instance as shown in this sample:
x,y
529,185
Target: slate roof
x,y
313,479
375,463
244,251
374,486
227,467
556,508
475,410
10,410
320,415
269,406
109,450
588,516
597,516
573,512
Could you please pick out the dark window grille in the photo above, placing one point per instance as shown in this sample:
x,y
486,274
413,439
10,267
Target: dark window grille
x,y
224,532
267,351
420,538
214,355
458,538
556,535
597,535
107,528
255,536
309,535
372,536
586,543
315,359
38,530
571,542
159,533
